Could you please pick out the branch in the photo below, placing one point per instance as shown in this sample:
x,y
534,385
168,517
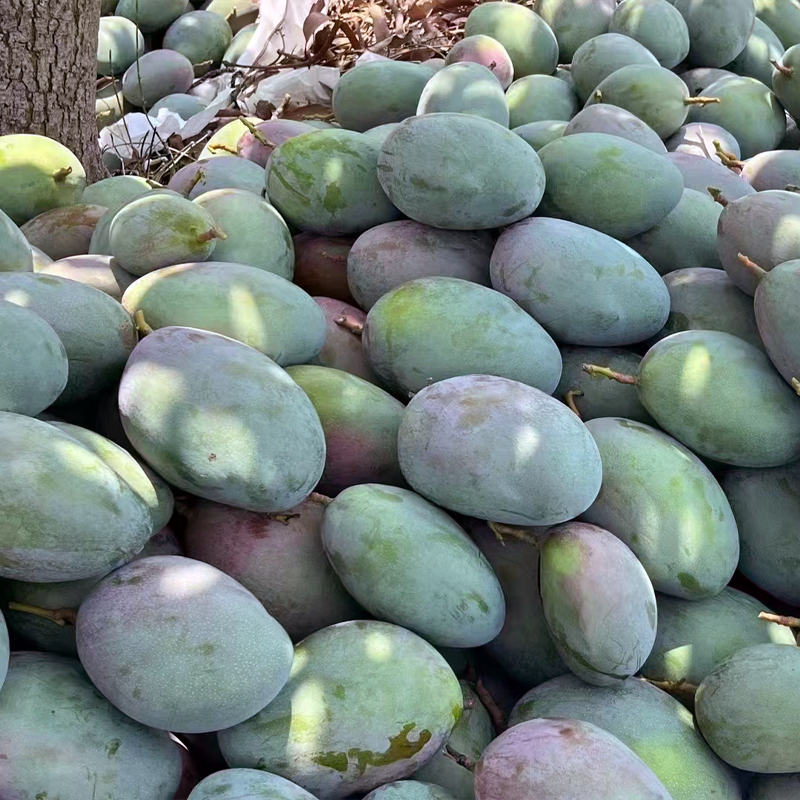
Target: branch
x,y
606,372
61,616
569,399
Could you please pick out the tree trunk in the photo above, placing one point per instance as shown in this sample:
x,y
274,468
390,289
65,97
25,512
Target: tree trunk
x,y
48,68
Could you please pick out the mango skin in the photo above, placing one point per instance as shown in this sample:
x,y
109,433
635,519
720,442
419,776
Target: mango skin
x,y
360,422
685,239
150,15
699,78
769,238
16,254
656,24
676,520
563,758
273,132
375,93
97,333
96,271
320,265
584,287
325,182
748,109
729,403
608,183
63,522
772,169
697,139
37,174
718,29
601,397
774,787
409,790
783,16
539,97
529,41
223,172
388,255
378,537
199,657
48,702
223,141
432,182
201,36
766,503
184,105
749,722
256,234
598,601
471,735
65,231
192,404
486,51
282,563
575,23
430,329
228,784
33,362
465,88
155,75
248,304
695,636
119,44
775,308
413,697
650,722
538,134
4,650
599,57
476,421
701,173
616,121
707,300
755,61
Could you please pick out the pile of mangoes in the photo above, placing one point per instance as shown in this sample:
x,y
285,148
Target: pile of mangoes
x,y
446,450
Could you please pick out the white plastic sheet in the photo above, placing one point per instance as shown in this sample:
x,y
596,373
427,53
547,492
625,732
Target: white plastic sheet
x,y
280,27
305,86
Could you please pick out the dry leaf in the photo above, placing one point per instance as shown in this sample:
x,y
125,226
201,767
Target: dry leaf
x,y
379,24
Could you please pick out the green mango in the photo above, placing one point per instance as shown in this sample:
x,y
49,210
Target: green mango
x,y
524,647
96,271
656,24
775,311
225,172
706,300
686,239
774,787
115,192
593,395
320,264
201,36
119,44
662,501
762,48
650,722
477,421
4,650
486,51
718,29
465,88
784,81
142,643
772,169
378,92
616,121
563,758
699,78
66,513
151,15
193,405
315,732
33,363
471,735
37,174
698,139
721,397
535,98
430,329
325,182
527,38
155,75
389,255
48,704
230,784
598,601
751,722
109,107
239,13
409,790
783,16
15,249
608,183
378,539
765,228
97,333
597,58
582,286
239,43
278,557
184,105
694,636
701,174
766,503
65,231
360,423
538,134
574,22
746,108
433,182
655,95
224,140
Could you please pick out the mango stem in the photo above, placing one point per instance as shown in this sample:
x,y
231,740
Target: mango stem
x,y
459,758
257,133
680,689
141,323
699,101
61,174
788,622
718,196
757,272
501,531
214,232
316,497
606,372
569,399
350,323
61,616
485,696
728,159
597,96
796,385
787,71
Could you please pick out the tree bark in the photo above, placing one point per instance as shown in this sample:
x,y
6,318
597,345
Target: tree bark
x,y
48,69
